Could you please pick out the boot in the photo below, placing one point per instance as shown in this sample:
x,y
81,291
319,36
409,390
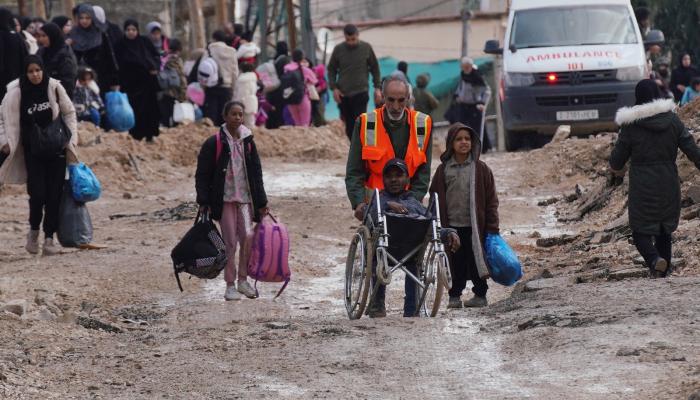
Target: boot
x,y
476,301
377,308
32,245
50,248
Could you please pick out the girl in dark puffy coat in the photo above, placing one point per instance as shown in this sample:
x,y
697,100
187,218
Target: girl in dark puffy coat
x,y
230,187
650,136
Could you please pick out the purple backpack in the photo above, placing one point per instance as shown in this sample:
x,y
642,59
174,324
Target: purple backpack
x,y
269,258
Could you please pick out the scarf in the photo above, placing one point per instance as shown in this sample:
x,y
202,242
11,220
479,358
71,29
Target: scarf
x,y
86,39
56,41
138,51
474,78
29,92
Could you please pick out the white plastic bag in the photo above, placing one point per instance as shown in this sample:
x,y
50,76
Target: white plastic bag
x,y
183,112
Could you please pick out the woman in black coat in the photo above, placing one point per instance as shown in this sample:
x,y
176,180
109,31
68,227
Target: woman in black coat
x,y
139,63
682,75
93,48
650,136
59,60
12,51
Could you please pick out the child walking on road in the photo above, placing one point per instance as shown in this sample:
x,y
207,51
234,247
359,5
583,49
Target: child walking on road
x,y
230,187
468,203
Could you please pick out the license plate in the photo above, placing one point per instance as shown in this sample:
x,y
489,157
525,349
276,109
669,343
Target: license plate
x,y
577,115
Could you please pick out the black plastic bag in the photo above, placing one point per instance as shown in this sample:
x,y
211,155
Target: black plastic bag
x,y
201,252
75,225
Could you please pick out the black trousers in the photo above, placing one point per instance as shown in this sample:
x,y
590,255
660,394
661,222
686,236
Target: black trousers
x,y
350,108
166,105
214,100
45,187
463,267
652,247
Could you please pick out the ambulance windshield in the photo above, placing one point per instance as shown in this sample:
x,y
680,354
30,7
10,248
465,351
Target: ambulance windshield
x,y
572,26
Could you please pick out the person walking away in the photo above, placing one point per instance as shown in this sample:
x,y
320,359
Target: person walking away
x,y
275,117
468,203
391,131
682,75
92,47
230,187
86,98
350,64
174,62
227,63
691,92
138,66
32,102
650,136
318,108
246,93
423,99
13,51
59,60
111,30
301,113
469,100
247,50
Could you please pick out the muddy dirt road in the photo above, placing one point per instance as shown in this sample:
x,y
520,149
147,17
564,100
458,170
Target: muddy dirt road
x,y
553,338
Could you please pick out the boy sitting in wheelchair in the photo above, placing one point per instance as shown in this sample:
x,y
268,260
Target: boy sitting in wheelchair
x,y
404,210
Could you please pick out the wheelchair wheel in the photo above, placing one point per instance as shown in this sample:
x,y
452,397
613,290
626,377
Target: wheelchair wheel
x,y
358,271
433,264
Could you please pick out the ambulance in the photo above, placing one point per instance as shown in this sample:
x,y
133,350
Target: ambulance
x,y
568,63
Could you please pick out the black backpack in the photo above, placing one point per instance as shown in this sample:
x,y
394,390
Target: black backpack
x,y
292,86
201,252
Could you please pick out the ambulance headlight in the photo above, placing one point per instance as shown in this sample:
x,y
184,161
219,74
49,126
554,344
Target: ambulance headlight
x,y
635,73
519,79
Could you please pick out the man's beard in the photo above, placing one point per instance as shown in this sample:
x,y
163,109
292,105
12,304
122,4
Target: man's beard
x,y
391,117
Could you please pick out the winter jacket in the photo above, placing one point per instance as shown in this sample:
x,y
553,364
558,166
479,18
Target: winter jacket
x,y
483,201
211,174
689,95
227,60
62,66
470,94
246,91
85,98
13,170
103,60
13,51
650,136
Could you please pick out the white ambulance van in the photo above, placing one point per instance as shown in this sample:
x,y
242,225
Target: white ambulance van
x,y
567,63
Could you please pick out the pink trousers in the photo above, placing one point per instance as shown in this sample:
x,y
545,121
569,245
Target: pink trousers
x,y
301,113
236,229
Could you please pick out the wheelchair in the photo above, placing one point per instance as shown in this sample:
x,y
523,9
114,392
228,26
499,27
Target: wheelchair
x,y
389,244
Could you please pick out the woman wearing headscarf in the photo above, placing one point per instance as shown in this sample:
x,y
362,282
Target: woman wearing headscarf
x,y
63,22
92,47
12,50
650,136
682,75
59,60
139,63
301,113
34,101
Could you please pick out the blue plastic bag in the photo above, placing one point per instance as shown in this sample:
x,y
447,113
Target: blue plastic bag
x,y
502,260
120,115
83,183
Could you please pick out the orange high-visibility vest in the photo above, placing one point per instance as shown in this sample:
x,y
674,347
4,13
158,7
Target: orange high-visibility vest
x,y
377,148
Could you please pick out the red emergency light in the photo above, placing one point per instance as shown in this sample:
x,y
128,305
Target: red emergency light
x,y
552,78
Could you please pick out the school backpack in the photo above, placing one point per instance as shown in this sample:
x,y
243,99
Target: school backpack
x,y
269,259
201,252
292,85
208,72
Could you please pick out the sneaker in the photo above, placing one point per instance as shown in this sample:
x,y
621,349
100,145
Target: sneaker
x,y
455,302
32,245
232,293
476,301
50,248
246,290
377,311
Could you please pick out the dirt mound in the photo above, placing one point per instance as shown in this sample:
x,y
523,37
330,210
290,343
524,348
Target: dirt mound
x,y
122,162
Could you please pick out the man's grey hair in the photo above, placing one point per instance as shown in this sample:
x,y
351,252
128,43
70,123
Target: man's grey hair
x,y
396,78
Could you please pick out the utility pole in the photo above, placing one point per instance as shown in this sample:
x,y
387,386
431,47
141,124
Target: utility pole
x,y
262,20
291,24
197,22
221,13
466,16
308,39
40,9
68,6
